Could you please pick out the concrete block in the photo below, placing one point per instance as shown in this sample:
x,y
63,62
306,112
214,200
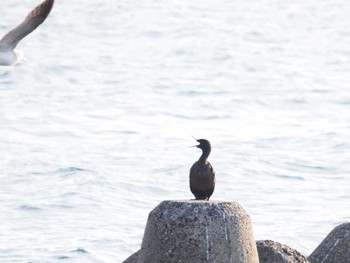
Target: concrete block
x,y
273,252
335,248
198,231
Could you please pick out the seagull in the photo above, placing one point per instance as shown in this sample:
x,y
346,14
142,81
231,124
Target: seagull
x,y
8,54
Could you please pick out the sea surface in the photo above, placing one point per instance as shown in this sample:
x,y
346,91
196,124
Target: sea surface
x,y
95,128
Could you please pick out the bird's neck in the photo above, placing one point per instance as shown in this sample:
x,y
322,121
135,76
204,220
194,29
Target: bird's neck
x,y
204,156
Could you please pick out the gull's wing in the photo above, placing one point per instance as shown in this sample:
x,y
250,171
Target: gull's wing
x,y
31,22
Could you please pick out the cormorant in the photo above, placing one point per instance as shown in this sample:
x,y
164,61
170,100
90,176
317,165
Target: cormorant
x,y
202,174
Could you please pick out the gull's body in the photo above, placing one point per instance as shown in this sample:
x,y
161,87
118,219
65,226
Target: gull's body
x,y
8,54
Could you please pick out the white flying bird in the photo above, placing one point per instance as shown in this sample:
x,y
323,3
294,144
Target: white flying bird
x,y
8,55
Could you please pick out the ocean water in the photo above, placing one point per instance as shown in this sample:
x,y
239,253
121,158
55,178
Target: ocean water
x,y
95,127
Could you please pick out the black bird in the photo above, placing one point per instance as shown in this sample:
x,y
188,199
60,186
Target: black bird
x,y
202,174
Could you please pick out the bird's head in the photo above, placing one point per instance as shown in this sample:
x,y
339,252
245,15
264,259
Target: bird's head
x,y
203,144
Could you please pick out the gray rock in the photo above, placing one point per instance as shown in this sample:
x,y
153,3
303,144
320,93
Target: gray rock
x,y
133,258
274,252
334,248
198,231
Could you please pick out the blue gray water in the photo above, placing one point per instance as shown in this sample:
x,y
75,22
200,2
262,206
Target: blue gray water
x,y
95,128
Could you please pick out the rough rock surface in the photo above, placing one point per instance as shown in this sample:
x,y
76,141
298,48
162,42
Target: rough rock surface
x,y
133,258
334,248
198,231
274,252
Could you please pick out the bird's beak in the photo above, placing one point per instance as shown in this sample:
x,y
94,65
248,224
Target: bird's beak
x,y
195,145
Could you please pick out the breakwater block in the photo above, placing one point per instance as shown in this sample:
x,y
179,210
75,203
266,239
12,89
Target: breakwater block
x,y
273,252
133,258
198,231
335,248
